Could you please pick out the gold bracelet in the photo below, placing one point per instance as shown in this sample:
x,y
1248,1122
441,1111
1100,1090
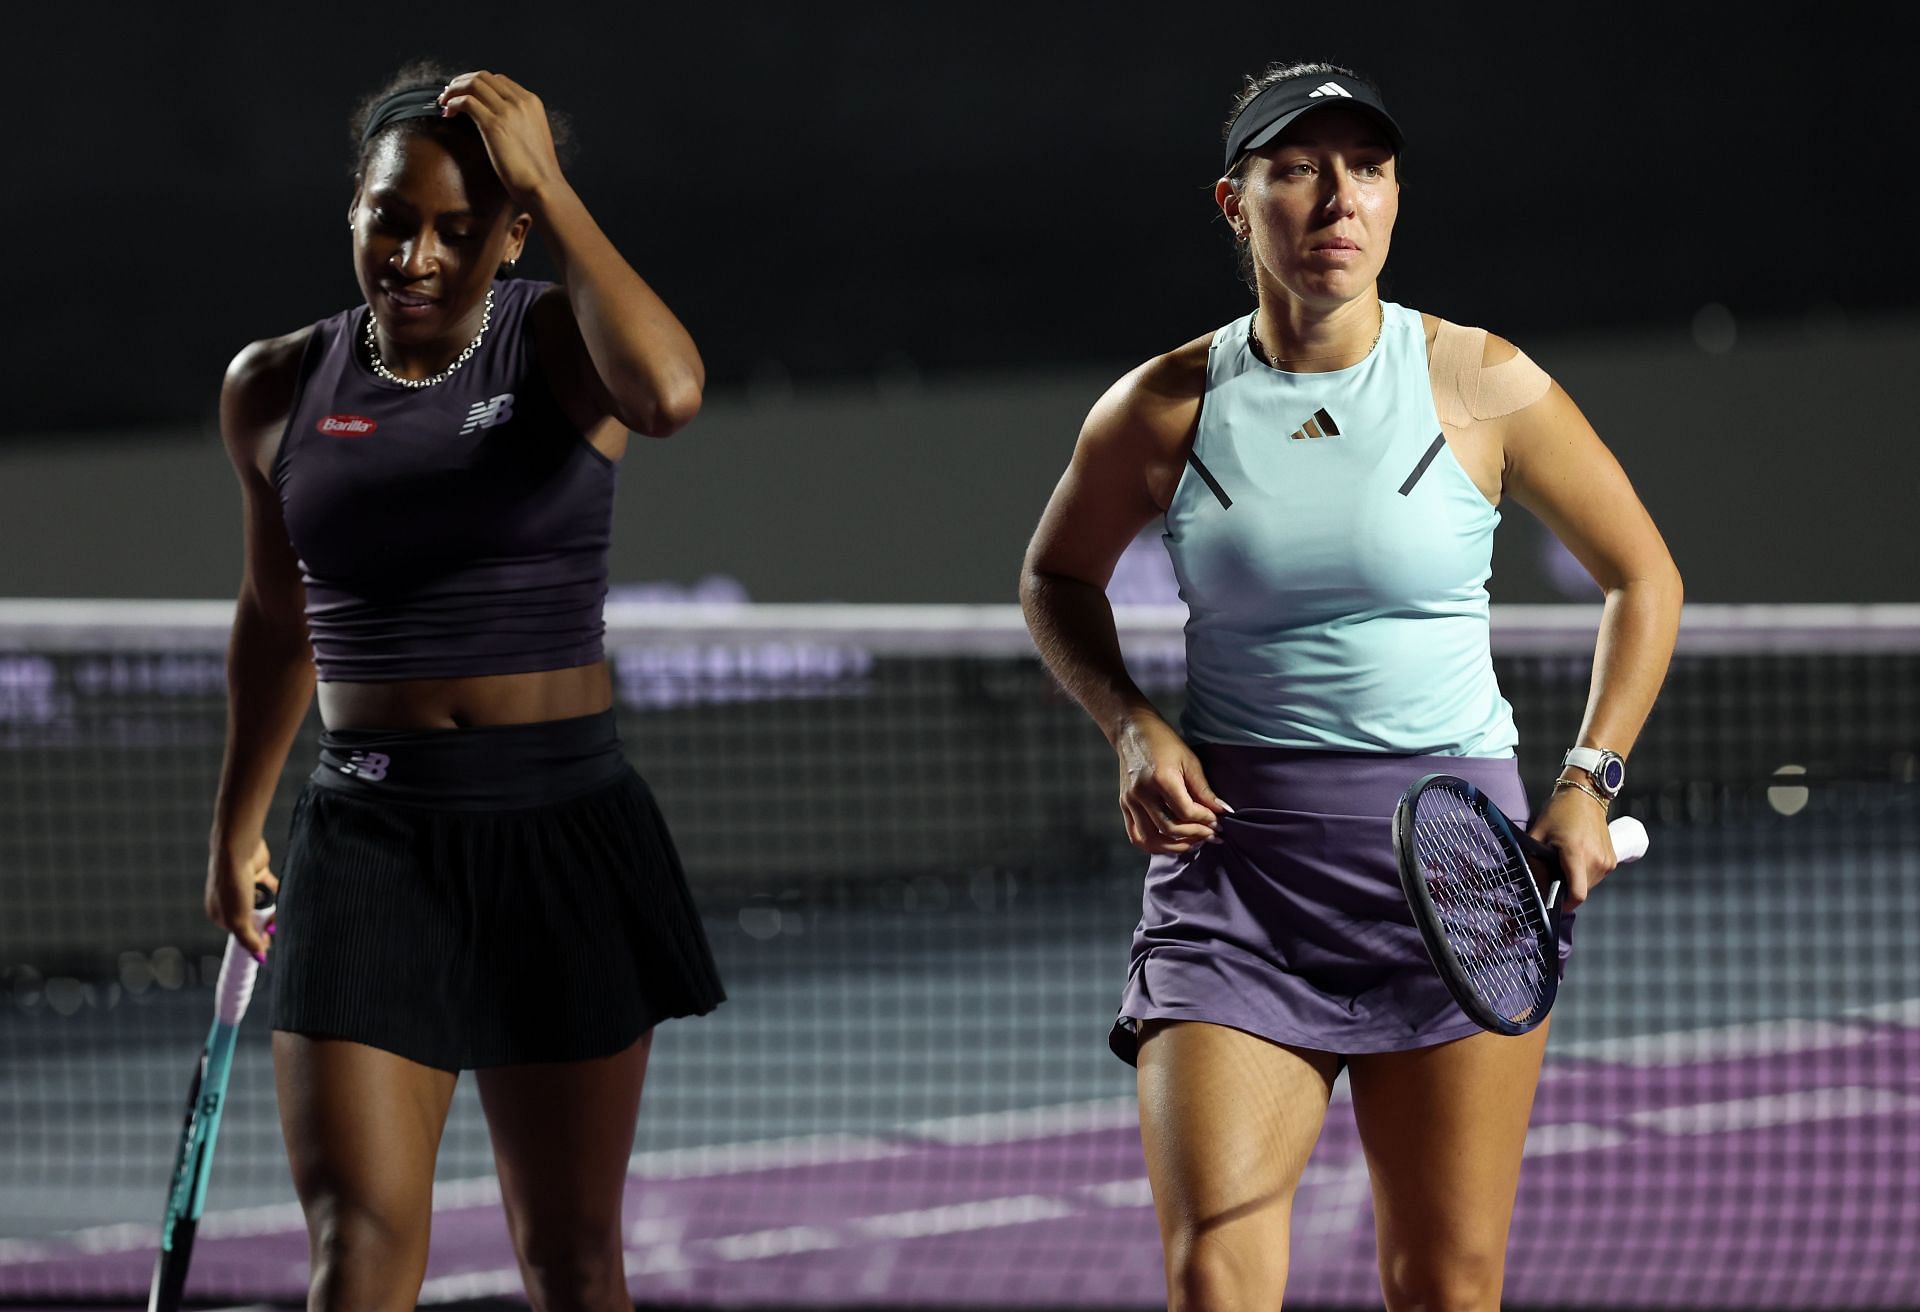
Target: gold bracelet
x,y
1605,802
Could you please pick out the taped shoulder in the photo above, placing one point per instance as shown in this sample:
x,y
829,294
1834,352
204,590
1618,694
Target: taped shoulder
x,y
1466,389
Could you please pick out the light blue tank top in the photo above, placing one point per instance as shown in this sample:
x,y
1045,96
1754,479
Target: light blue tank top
x,y
1333,555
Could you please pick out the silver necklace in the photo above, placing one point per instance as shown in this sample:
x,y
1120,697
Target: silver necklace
x,y
1260,352
380,366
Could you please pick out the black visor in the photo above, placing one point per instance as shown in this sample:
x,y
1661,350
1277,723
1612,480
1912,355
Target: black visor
x,y
1279,105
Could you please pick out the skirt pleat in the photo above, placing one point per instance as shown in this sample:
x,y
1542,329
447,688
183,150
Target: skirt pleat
x,y
463,939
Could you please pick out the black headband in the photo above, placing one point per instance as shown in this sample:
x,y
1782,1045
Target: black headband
x,y
415,102
1268,114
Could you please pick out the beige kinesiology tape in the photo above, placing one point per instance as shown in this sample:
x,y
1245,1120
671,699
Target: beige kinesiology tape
x,y
1466,390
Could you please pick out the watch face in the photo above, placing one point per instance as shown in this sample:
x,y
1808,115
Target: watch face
x,y
1613,773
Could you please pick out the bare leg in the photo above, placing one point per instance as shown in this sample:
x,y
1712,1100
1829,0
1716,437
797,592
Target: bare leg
x,y
562,1134
1227,1121
1443,1128
362,1128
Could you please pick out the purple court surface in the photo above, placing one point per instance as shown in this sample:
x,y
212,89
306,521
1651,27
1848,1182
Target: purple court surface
x,y
1772,1165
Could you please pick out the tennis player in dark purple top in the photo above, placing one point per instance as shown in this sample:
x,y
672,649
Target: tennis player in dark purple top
x,y
475,878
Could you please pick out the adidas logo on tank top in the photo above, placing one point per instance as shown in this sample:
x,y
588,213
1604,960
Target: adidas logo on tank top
x,y
1321,425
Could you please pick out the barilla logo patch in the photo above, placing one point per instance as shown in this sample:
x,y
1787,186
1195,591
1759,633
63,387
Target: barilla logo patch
x,y
346,425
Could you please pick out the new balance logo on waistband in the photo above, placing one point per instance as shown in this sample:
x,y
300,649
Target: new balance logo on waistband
x,y
1321,425
490,413
371,766
1330,89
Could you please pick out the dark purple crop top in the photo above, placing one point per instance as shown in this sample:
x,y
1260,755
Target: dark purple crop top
x,y
451,530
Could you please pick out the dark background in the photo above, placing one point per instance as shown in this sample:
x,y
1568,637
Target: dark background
x,y
830,187
853,204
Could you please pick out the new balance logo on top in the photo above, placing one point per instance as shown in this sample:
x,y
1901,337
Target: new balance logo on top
x,y
367,765
490,413
1321,425
1330,89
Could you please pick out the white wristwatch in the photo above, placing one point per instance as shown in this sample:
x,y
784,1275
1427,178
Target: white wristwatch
x,y
1608,771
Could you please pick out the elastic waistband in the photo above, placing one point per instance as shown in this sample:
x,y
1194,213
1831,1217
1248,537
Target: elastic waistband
x,y
1346,783
482,768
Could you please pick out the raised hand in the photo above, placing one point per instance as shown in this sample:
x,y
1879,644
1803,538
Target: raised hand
x,y
513,124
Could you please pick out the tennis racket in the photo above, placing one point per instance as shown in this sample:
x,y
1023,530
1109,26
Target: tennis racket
x,y
1469,876
206,1099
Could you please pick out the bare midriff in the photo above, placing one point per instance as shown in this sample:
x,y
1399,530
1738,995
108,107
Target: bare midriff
x,y
468,702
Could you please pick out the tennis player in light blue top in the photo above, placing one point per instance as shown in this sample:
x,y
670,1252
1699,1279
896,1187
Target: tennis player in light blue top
x,y
1328,470
1324,594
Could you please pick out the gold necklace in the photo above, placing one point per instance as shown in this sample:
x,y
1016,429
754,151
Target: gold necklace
x,y
1260,352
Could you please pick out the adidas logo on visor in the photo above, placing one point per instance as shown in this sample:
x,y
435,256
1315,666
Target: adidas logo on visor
x,y
1330,89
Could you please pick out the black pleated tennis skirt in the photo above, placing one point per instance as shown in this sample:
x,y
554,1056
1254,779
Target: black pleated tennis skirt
x,y
484,897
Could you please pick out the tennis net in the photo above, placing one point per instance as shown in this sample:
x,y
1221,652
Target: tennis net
x,y
904,841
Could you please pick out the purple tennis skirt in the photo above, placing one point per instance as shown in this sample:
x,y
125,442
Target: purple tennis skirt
x,y
1293,927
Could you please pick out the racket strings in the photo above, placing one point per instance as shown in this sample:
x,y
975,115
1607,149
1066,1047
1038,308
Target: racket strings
x,y
1506,961
1470,881
1492,919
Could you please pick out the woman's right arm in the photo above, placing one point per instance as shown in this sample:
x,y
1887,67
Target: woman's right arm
x,y
1124,468
270,674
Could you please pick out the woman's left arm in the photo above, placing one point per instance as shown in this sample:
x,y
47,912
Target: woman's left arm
x,y
638,363
1555,465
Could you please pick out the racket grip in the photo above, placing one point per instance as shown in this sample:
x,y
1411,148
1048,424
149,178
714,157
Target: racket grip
x,y
1629,839
238,972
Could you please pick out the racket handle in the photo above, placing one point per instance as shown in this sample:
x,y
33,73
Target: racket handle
x,y
238,971
1629,839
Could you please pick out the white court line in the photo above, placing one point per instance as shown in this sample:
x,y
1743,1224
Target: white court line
x,y
958,1218
1902,1011
119,1238
1761,1038
780,1241
1135,1191
786,1241
1030,1122
1131,1192
245,1222
1339,1201
1772,1109
759,1155
1092,1115
477,1191
470,1285
1571,1137
1765,1038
